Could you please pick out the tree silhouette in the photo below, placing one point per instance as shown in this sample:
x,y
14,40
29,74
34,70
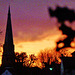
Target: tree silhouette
x,y
20,57
64,14
23,56
17,57
48,56
32,58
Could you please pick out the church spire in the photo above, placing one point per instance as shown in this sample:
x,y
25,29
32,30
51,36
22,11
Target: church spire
x,y
9,36
9,10
8,47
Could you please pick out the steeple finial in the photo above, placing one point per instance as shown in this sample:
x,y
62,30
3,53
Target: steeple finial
x,y
9,10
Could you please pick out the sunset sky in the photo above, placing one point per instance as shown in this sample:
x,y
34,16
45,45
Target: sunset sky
x,y
33,28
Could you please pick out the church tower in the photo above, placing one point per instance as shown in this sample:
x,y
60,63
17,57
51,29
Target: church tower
x,y
8,59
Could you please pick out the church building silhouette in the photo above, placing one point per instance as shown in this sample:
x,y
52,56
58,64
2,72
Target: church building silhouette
x,y
8,57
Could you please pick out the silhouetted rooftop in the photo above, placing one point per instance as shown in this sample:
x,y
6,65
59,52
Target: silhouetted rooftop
x,y
68,62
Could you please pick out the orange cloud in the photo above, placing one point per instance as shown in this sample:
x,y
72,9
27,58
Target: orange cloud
x,y
33,47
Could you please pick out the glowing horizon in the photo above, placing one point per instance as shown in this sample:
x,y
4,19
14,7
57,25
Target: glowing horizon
x,y
33,28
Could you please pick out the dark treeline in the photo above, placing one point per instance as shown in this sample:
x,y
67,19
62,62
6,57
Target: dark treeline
x,y
24,65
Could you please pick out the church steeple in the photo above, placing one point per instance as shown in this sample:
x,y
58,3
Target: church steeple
x,y
9,36
8,47
9,10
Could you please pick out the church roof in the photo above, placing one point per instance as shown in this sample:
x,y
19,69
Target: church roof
x,y
6,73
